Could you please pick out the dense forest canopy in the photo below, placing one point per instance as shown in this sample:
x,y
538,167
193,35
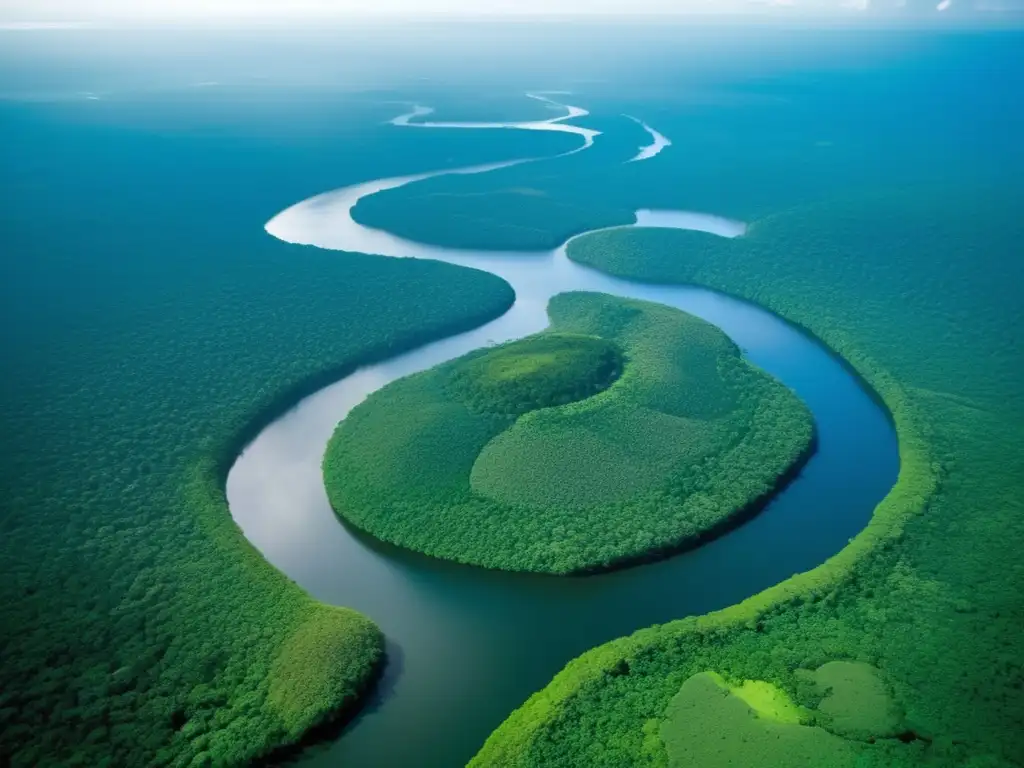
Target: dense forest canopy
x,y
150,329
627,431
929,593
139,626
542,372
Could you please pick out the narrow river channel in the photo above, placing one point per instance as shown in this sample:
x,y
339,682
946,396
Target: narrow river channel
x,y
467,646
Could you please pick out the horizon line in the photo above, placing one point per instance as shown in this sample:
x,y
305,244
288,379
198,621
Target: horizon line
x,y
759,10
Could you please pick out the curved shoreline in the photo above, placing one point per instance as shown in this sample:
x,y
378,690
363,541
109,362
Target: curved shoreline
x,y
724,526
282,402
772,470
909,496
336,566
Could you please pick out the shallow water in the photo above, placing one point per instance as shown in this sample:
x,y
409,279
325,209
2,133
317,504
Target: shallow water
x,y
659,141
466,646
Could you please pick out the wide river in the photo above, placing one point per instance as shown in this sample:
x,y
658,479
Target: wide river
x,y
466,646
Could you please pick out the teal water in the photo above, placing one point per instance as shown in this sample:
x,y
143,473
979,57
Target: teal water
x,y
126,183
470,645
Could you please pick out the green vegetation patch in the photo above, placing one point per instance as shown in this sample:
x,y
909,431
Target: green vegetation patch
x,y
707,724
626,431
768,701
540,372
927,308
855,701
140,628
711,723
452,210
321,667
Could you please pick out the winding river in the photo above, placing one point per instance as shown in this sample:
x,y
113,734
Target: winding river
x,y
466,646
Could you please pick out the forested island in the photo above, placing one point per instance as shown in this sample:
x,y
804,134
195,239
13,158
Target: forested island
x,y
903,597
152,332
627,431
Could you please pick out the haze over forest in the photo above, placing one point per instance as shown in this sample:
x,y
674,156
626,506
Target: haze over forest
x,y
39,12
620,384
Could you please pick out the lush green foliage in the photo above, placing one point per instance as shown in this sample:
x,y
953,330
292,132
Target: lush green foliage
x,y
139,626
711,722
132,304
708,725
466,461
540,372
852,701
195,647
929,591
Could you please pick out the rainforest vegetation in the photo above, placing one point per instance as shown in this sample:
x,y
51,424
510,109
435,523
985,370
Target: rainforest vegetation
x,y
149,329
928,593
540,372
521,218
196,648
139,626
628,430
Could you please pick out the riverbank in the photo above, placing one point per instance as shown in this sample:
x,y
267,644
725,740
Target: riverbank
x,y
474,635
905,595
461,463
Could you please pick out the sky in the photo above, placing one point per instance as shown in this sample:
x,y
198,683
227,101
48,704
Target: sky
x,y
86,9
112,10
90,10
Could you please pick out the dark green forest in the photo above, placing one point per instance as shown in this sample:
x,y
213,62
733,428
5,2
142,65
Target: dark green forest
x,y
629,430
140,627
520,218
195,648
925,308
775,122
149,330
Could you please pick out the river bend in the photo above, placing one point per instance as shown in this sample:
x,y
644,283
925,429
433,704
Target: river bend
x,y
467,646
